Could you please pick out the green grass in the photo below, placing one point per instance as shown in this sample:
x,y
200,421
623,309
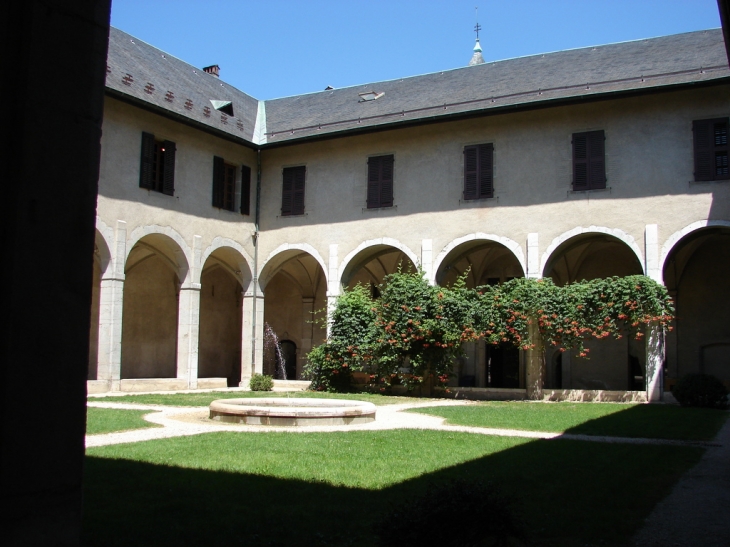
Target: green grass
x,y
204,399
618,420
108,420
310,489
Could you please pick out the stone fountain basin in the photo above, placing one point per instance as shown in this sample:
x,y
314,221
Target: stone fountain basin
x,y
297,412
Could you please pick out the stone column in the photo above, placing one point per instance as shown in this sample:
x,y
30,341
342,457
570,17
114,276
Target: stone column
x,y
427,260
188,320
333,285
654,363
535,364
188,327
111,298
307,332
533,256
651,252
250,363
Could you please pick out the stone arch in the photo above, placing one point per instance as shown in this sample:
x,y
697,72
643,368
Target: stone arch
x,y
677,236
233,257
181,256
225,275
370,250
279,256
695,262
103,244
470,243
294,283
570,234
155,268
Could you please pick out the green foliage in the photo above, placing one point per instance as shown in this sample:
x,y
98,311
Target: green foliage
x,y
415,523
415,330
701,390
261,382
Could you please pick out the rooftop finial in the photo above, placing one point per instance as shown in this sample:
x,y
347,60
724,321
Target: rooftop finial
x,y
477,58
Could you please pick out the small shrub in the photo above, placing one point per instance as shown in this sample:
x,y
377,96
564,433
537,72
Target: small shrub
x,y
701,390
261,382
441,517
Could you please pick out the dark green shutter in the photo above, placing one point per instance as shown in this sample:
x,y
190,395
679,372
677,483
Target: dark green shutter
x,y
380,181
596,159
168,182
218,175
146,165
245,190
287,192
486,184
471,172
711,149
298,194
580,161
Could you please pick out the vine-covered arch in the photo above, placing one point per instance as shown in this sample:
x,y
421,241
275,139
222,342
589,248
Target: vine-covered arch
x,y
548,256
469,241
369,250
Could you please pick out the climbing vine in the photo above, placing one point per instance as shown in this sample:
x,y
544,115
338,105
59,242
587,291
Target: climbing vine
x,y
415,330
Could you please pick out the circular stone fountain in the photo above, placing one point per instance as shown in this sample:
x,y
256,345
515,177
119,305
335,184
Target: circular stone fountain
x,y
280,411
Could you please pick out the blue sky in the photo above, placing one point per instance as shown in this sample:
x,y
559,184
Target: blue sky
x,y
277,48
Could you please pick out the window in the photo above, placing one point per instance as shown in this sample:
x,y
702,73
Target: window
x,y
710,144
224,184
589,165
292,196
157,167
478,173
380,181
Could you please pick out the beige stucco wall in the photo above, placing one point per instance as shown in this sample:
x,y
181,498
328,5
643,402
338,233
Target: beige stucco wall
x,y
649,166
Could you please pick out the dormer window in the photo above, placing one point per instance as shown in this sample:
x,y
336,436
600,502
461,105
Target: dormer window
x,y
223,106
370,96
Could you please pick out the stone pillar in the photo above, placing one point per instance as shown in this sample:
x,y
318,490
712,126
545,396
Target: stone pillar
x,y
427,260
188,320
651,252
535,364
111,298
250,363
307,332
188,327
333,285
654,363
533,256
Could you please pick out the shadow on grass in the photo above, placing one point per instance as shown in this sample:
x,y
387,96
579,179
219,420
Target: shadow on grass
x,y
656,422
571,493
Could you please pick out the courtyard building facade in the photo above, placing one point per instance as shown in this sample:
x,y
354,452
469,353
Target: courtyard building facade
x,y
220,215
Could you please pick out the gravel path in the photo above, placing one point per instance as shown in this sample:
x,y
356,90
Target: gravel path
x,y
697,512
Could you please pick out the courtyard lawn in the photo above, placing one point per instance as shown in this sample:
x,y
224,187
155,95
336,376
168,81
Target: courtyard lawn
x,y
204,399
108,420
610,419
311,489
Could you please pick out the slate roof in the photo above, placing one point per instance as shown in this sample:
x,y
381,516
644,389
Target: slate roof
x,y
143,73
626,67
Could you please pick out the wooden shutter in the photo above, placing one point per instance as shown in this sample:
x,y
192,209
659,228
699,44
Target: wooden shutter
x,y
146,165
245,190
168,182
589,164
380,181
298,195
471,172
486,185
596,159
710,149
218,174
287,192
386,181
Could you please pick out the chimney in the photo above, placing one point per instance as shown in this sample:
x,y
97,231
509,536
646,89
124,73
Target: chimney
x,y
213,70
